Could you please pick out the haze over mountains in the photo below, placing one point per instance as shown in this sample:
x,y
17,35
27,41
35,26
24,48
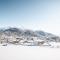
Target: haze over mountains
x,y
26,37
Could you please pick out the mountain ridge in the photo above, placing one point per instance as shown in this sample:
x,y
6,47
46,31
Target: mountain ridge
x,y
16,35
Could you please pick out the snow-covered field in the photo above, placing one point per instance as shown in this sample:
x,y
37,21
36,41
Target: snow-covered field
x,y
13,52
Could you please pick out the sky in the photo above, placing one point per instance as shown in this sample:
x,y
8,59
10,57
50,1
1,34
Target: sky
x,y
31,14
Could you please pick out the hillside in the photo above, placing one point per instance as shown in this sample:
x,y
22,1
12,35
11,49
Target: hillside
x,y
27,37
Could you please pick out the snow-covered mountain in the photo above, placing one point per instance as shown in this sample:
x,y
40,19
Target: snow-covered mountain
x,y
27,37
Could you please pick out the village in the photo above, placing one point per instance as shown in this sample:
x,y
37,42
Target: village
x,y
22,40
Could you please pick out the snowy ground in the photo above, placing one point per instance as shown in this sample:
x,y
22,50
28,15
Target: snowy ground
x,y
13,52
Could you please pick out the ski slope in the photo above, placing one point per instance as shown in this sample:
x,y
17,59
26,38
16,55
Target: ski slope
x,y
13,52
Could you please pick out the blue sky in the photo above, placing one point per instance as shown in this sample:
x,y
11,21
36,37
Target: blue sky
x,y
31,14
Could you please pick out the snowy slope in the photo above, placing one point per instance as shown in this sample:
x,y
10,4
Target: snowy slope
x,y
13,52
